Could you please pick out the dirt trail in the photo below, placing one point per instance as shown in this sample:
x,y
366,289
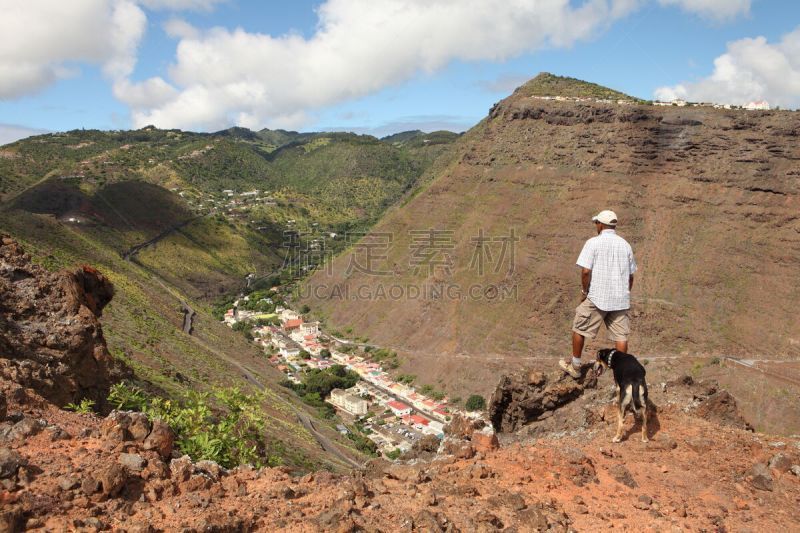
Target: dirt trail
x,y
132,251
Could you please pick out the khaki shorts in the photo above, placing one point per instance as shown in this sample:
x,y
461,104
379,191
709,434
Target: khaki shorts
x,y
588,319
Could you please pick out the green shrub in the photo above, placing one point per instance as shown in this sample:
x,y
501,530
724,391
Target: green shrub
x,y
229,431
475,402
394,454
85,406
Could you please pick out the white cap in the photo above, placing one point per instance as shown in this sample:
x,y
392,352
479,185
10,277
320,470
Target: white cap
x,y
609,218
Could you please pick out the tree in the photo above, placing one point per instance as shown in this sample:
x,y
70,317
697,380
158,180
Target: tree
x,y
305,310
325,353
475,402
304,354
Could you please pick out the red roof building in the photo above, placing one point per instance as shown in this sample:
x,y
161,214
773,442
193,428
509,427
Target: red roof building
x,y
293,323
399,408
417,419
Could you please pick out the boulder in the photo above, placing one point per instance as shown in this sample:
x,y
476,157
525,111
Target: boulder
x,y
161,439
462,427
51,339
722,408
139,427
760,477
132,461
10,462
780,462
27,427
112,479
623,475
485,440
525,396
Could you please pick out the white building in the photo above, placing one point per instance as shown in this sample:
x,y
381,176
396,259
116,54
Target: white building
x,y
345,400
309,328
760,105
399,408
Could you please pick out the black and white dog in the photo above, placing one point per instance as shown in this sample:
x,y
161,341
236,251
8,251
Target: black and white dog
x,y
631,386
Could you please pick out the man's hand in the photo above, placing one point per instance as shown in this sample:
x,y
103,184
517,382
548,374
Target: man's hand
x,y
586,279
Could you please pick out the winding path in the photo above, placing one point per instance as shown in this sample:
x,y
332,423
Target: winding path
x,y
132,251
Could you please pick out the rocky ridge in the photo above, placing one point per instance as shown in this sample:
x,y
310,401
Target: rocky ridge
x,y
51,339
549,465
708,198
66,471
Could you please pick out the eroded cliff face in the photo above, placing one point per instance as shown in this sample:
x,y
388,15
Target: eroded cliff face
x,y
708,198
51,339
552,467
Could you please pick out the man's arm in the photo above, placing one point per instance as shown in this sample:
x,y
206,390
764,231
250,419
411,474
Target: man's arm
x,y
630,282
586,280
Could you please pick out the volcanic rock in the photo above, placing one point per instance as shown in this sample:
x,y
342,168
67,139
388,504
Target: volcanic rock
x,y
760,477
51,339
10,462
519,399
721,407
161,439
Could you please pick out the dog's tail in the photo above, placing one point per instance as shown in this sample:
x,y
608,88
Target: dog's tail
x,y
639,396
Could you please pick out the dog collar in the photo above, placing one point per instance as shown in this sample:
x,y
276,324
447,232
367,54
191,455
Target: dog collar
x,y
611,356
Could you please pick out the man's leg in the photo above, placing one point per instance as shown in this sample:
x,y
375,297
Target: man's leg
x,y
586,323
577,344
618,325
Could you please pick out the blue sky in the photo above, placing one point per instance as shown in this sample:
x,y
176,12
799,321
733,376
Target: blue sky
x,y
653,46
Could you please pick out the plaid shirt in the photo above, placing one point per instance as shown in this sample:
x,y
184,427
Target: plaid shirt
x,y
610,258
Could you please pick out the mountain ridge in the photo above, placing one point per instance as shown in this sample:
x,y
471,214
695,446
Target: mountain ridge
x,y
691,188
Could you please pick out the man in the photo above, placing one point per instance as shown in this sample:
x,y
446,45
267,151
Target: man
x,y
607,267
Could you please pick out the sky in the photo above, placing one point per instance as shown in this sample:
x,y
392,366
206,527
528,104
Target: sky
x,y
371,66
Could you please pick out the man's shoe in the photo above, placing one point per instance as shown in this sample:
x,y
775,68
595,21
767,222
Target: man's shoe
x,y
568,367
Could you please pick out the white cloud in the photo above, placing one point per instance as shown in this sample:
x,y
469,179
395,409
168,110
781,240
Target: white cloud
x,y
714,9
181,5
180,29
360,46
751,69
426,123
504,83
43,40
14,132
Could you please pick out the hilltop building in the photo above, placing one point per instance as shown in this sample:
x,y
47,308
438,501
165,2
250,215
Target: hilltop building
x,y
760,105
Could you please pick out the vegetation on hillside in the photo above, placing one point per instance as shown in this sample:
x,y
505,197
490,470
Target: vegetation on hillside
x,y
546,84
226,426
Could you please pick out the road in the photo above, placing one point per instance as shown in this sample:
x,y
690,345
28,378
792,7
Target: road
x,y
251,378
133,250
188,318
751,364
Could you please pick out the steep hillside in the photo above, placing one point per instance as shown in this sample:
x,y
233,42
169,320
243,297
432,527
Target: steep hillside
x,y
152,210
546,84
708,198
345,179
699,472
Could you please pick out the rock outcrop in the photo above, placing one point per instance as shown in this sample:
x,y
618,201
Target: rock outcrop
x,y
527,396
50,336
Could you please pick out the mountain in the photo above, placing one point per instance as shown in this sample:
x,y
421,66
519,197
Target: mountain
x,y
707,197
65,470
546,84
150,210
419,138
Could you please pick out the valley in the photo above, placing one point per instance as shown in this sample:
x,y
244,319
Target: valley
x,y
707,197
344,331
142,207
